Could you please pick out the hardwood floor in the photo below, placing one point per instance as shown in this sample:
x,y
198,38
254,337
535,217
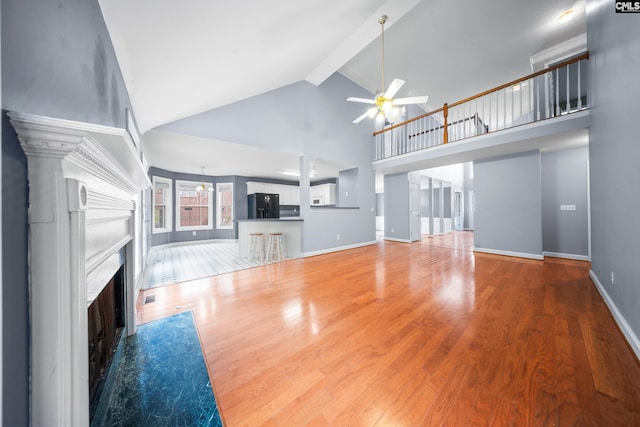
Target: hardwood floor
x,y
417,334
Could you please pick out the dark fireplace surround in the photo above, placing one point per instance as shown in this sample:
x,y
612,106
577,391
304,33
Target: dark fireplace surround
x,y
106,322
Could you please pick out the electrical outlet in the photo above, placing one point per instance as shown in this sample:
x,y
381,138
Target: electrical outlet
x,y
392,230
612,278
338,237
194,233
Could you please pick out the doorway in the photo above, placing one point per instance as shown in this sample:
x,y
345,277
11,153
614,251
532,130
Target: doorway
x,y
472,209
458,209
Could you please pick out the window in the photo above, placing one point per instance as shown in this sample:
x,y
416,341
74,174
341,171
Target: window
x,y
194,208
224,211
161,205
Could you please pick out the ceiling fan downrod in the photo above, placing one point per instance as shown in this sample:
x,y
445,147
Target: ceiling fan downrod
x,y
382,20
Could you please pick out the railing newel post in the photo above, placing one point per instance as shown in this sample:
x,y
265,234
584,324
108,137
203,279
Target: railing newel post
x,y
445,136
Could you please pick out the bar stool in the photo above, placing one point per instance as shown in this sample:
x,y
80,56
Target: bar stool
x,y
256,247
275,247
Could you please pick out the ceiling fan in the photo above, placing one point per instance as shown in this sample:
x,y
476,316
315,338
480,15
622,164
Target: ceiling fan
x,y
386,108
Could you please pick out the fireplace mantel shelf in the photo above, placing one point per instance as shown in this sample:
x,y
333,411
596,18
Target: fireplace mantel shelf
x,y
106,152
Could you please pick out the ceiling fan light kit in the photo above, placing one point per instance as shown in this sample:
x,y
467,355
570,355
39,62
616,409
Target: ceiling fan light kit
x,y
386,108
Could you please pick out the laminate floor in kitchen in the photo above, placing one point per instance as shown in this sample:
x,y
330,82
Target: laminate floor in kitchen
x,y
182,263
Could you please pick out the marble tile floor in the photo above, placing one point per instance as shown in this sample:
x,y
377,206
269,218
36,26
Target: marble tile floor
x,y
161,379
181,263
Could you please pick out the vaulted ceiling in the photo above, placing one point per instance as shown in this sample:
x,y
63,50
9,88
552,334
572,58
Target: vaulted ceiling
x,y
183,58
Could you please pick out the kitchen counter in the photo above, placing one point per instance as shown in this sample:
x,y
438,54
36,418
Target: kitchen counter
x,y
291,229
333,207
270,219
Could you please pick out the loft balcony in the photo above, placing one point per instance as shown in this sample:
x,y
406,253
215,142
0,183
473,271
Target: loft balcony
x,y
547,109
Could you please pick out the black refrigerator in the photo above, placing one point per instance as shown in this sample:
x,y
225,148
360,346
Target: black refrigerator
x,y
263,205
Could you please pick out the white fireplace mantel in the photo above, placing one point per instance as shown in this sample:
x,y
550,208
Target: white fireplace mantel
x,y
83,183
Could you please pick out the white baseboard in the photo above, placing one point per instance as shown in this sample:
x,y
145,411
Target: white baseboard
x,y
397,240
191,242
566,256
631,337
337,249
509,253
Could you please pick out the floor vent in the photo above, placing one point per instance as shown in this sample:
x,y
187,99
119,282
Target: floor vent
x,y
149,298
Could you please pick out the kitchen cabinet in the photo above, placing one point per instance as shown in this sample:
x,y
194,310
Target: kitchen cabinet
x,y
260,187
323,194
289,194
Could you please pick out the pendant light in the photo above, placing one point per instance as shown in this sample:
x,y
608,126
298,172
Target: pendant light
x,y
203,186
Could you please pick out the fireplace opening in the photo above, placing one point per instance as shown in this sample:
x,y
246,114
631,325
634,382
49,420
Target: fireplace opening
x,y
106,317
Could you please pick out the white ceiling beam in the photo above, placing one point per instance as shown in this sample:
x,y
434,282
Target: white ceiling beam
x,y
360,38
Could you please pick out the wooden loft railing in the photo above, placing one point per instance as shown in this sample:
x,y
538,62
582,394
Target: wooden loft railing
x,y
552,92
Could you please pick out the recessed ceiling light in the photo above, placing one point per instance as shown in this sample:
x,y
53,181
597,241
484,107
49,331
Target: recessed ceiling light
x,y
566,16
289,172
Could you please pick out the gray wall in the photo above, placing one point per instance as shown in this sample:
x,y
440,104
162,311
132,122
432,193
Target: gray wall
x,y
396,206
379,204
437,207
468,179
425,196
1,258
347,188
314,122
446,208
564,182
614,152
239,194
508,204
15,289
276,118
329,134
57,61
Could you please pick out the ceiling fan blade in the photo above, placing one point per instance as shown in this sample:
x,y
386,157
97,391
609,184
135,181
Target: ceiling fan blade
x,y
361,118
411,100
393,88
364,100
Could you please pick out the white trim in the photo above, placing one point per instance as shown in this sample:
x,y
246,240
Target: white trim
x,y
105,152
191,242
566,256
168,207
219,207
209,225
132,129
631,337
589,208
509,253
393,239
338,249
559,52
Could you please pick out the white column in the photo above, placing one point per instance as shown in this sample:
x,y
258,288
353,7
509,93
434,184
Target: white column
x,y
53,326
431,208
77,199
